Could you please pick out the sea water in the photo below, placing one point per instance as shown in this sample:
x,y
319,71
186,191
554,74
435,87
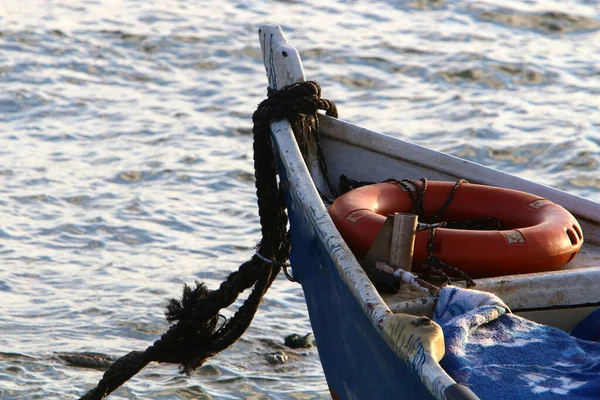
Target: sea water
x,y
126,157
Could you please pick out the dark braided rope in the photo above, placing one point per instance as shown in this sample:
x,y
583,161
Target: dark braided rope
x,y
433,264
347,185
305,121
195,335
416,192
449,199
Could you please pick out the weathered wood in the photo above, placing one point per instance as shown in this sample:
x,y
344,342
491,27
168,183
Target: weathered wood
x,y
281,60
380,250
402,246
394,243
284,67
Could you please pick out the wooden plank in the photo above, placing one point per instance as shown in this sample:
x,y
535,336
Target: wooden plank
x,y
403,240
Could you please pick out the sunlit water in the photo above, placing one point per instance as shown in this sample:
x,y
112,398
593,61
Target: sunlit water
x,y
126,162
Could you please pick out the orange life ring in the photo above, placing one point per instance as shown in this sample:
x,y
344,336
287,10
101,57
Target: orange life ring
x,y
540,235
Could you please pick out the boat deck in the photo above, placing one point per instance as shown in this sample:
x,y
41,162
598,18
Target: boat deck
x,y
364,155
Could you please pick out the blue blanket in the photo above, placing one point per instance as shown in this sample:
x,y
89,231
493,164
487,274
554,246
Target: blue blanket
x,y
502,356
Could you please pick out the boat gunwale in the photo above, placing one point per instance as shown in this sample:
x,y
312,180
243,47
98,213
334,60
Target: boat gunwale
x,y
356,280
279,71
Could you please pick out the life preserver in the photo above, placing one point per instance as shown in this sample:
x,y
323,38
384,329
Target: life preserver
x,y
540,235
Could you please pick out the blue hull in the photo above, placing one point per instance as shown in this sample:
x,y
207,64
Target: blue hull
x,y
357,362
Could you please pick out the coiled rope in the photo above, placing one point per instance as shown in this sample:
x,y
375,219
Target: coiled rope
x,y
198,331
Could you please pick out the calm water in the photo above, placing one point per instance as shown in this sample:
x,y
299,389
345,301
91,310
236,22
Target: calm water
x,y
126,168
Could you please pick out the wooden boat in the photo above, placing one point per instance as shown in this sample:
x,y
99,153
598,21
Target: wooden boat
x,y
377,346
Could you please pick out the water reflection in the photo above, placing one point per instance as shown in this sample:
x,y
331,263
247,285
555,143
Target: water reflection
x,y
126,161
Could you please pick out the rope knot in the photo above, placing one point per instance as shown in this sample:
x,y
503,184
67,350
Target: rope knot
x,y
292,101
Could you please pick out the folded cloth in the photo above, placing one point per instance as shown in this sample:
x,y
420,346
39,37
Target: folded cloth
x,y
502,356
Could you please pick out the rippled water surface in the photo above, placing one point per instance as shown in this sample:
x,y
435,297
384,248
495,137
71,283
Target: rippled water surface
x,y
126,165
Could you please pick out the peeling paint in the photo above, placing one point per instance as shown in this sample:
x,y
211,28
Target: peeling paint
x,y
513,236
539,203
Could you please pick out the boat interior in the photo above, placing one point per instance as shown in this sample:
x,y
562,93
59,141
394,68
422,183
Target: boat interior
x,y
559,298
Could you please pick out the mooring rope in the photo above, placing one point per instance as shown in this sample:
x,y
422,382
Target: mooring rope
x,y
198,330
